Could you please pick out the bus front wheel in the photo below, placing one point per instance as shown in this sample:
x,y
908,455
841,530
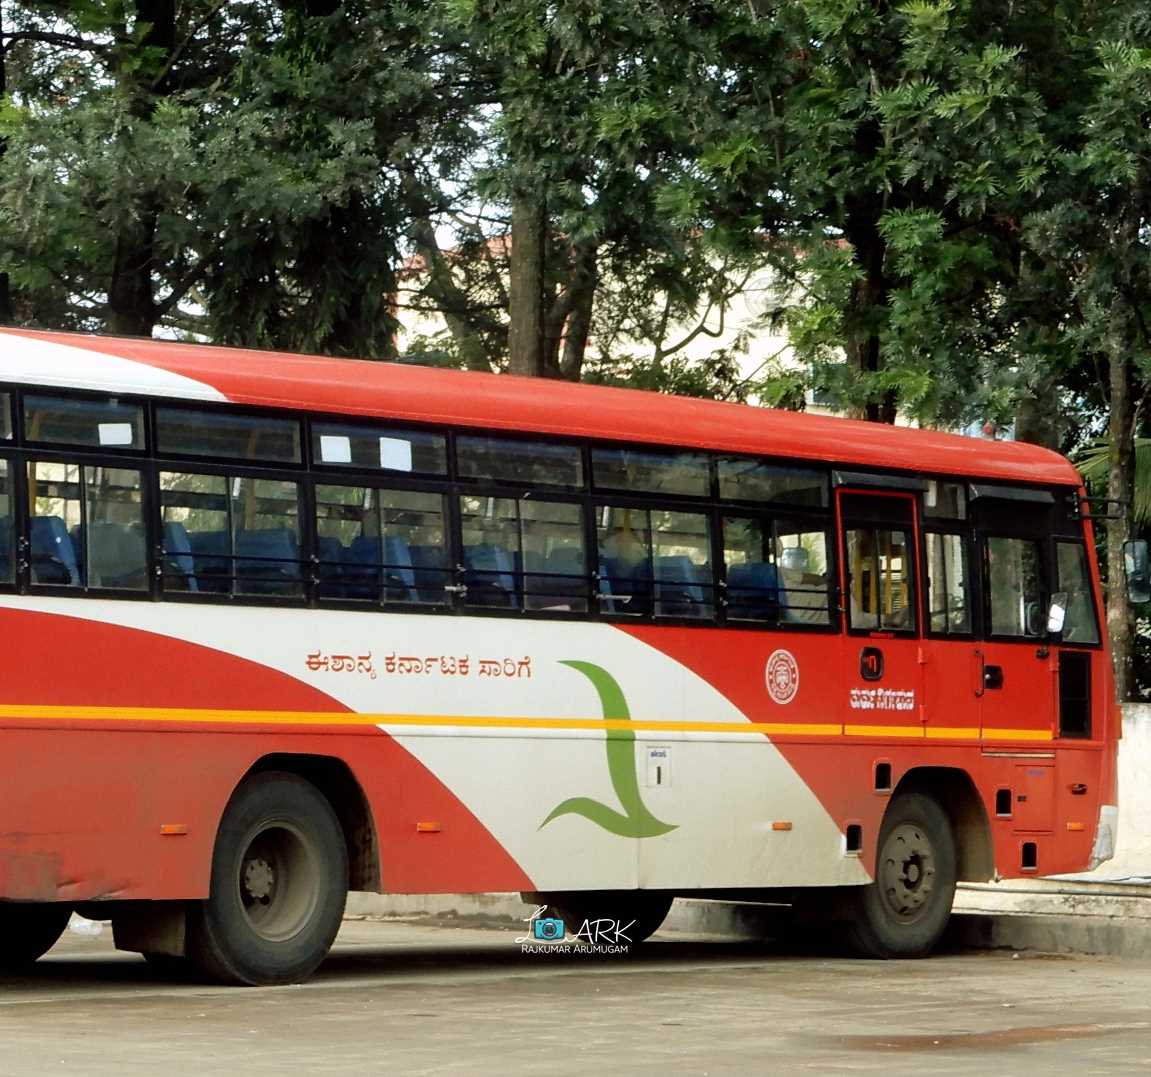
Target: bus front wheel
x,y
28,932
904,912
278,887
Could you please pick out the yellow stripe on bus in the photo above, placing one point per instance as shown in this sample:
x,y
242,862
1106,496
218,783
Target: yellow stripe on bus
x,y
207,716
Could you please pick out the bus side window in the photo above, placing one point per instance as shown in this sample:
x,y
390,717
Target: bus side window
x,y
266,533
803,572
1074,579
112,539
86,526
54,499
230,534
948,586
775,573
376,544
1014,587
554,562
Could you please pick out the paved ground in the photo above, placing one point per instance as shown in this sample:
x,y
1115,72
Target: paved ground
x,y
406,1000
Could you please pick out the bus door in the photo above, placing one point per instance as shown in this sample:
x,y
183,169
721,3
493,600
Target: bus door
x,y
1015,678
878,557
953,656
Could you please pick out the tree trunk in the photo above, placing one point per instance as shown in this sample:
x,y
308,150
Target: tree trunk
x,y
1037,415
526,287
868,300
1120,491
578,327
144,79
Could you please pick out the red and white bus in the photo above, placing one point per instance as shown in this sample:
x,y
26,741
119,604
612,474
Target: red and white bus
x,y
276,627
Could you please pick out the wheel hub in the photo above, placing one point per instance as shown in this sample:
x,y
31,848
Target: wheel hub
x,y
259,880
907,871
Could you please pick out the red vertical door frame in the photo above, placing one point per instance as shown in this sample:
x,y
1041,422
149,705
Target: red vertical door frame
x,y
888,701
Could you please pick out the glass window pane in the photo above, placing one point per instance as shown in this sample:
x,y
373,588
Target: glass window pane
x,y
491,550
195,534
6,544
880,565
104,424
753,583
747,479
948,604
682,567
379,448
5,416
519,461
54,497
624,536
801,556
374,543
266,532
555,575
651,472
193,432
1080,625
1015,587
114,541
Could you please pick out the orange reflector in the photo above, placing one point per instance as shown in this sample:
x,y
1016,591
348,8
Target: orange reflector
x,y
169,830
1076,826
782,825
428,828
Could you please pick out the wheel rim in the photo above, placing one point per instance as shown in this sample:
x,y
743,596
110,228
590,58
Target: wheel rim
x,y
907,872
278,881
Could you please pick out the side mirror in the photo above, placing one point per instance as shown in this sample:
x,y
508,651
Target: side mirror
x,y
1057,614
1137,568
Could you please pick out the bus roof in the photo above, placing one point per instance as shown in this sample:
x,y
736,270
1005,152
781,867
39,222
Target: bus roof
x,y
503,402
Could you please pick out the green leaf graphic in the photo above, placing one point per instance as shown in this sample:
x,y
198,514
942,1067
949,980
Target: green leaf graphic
x,y
635,821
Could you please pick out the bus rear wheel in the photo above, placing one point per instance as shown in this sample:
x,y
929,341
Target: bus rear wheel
x,y
905,911
28,932
278,888
637,914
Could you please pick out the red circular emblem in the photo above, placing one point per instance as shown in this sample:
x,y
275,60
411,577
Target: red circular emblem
x,y
782,676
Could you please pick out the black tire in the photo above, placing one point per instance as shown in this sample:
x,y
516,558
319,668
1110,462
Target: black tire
x,y
28,932
278,888
905,911
638,913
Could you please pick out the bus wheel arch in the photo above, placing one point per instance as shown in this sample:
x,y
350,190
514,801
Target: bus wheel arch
x,y
340,787
955,792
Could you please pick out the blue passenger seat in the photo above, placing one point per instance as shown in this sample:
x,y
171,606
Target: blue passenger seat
x,y
753,592
430,571
560,580
490,576
331,553
399,575
212,560
179,564
267,562
361,570
53,554
680,591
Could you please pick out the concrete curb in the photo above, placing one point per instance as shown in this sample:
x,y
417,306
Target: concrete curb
x,y
1050,916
